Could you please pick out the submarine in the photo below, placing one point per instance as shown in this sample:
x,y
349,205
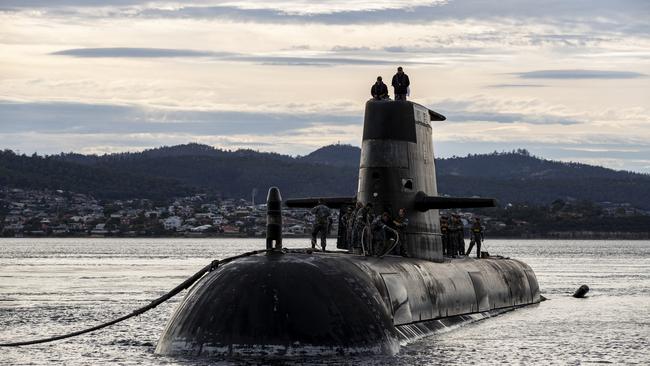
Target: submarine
x,y
304,302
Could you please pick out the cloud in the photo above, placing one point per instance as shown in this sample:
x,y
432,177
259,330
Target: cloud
x,y
80,118
630,13
133,52
517,111
516,86
350,49
324,61
579,74
295,7
569,40
501,117
84,118
136,52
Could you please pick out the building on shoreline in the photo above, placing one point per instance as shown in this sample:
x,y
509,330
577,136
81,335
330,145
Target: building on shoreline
x,y
34,213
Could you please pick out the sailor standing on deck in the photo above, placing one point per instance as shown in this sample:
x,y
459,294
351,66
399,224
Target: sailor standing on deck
x,y
477,237
401,84
321,214
400,223
458,236
444,231
352,228
381,233
362,232
344,228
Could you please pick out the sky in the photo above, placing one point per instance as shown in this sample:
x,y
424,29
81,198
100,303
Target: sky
x,y
567,80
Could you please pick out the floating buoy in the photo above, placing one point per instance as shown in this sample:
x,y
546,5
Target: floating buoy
x,y
581,291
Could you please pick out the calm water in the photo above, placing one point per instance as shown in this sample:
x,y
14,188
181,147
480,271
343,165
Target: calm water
x,y
54,286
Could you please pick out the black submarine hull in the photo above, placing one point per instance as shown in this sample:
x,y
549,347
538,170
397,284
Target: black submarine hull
x,y
287,304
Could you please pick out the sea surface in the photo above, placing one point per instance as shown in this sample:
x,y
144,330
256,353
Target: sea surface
x,y
55,286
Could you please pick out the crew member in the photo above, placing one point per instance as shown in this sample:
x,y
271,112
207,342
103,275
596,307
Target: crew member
x,y
458,236
352,212
321,215
379,90
401,84
353,238
477,237
400,223
444,231
344,229
381,233
362,223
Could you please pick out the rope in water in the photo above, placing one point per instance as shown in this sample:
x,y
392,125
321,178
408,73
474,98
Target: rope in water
x,y
185,284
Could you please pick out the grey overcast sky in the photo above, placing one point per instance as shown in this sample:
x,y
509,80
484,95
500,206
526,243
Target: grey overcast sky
x,y
567,80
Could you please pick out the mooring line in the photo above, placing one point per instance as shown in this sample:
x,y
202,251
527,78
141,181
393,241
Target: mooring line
x,y
185,284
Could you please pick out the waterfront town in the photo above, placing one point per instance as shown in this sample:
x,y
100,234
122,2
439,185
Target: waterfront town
x,y
59,213
35,213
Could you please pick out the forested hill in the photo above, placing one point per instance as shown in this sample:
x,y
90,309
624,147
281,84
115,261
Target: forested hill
x,y
332,170
337,155
36,172
165,172
520,177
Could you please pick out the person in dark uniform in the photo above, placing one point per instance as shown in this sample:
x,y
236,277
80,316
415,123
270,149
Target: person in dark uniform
x,y
379,90
458,236
444,231
477,237
362,226
401,84
343,237
322,215
353,227
400,223
381,233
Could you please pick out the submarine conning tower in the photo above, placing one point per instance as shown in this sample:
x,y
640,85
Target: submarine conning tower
x,y
397,170
397,164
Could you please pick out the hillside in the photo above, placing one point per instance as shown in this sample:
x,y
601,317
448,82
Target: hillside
x,y
519,177
332,170
229,173
35,172
337,155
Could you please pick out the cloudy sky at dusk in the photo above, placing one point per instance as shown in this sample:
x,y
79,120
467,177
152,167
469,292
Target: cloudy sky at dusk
x,y
567,80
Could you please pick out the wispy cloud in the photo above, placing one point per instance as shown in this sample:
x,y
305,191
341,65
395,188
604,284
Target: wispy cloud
x,y
502,117
137,52
579,74
516,86
620,17
133,52
82,118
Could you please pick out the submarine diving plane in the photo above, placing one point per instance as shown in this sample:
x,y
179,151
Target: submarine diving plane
x,y
304,302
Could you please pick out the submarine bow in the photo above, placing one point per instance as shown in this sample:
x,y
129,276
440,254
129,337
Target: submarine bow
x,y
282,304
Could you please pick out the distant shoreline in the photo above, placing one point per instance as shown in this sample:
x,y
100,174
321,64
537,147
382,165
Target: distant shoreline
x,y
549,236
